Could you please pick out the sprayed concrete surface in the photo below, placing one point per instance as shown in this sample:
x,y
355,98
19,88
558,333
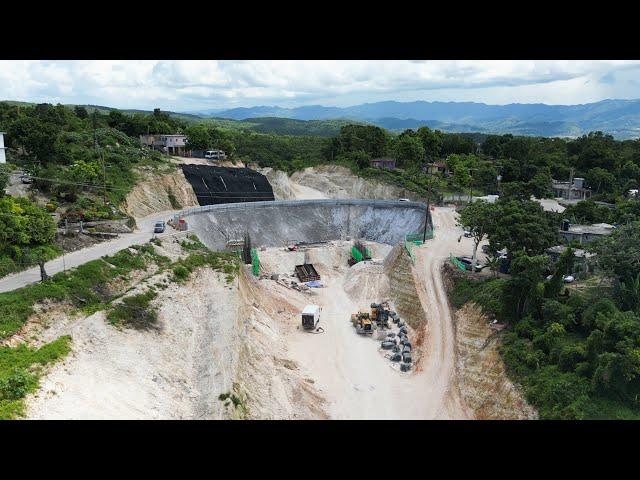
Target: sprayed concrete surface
x,y
276,223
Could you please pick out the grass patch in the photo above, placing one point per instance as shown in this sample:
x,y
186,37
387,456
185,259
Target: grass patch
x,y
20,370
86,287
135,312
173,200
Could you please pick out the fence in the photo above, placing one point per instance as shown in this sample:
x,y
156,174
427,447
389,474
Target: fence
x,y
457,262
255,262
412,240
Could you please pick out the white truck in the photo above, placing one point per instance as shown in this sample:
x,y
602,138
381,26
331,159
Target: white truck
x,y
310,317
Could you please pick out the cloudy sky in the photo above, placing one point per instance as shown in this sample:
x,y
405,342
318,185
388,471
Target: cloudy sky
x,y
198,85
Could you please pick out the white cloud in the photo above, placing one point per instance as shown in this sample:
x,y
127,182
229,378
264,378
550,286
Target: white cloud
x,y
185,85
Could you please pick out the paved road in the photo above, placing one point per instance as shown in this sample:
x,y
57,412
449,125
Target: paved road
x,y
143,234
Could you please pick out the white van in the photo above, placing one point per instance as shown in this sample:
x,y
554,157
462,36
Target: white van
x,y
310,317
215,155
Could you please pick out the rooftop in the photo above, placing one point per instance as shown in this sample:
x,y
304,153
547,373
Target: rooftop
x,y
595,229
577,252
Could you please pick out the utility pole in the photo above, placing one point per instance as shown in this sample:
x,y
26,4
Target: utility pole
x,y
104,178
426,218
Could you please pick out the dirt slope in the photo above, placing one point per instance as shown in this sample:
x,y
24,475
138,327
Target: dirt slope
x,y
330,181
153,195
484,384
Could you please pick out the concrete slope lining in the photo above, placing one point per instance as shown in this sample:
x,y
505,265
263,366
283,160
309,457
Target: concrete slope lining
x,y
273,223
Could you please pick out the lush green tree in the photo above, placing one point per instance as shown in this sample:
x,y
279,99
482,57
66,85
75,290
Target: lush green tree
x,y
408,151
478,218
81,112
524,290
4,179
431,141
522,226
619,253
198,137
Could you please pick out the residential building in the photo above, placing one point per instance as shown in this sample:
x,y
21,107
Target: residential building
x,y
384,162
172,144
3,155
571,190
583,264
435,167
584,233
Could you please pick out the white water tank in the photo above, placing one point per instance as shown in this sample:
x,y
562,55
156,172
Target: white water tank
x,y
3,156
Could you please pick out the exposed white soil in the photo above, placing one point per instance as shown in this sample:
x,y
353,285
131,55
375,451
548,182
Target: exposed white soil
x,y
330,181
152,195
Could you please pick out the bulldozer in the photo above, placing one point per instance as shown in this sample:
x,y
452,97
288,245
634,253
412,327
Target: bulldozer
x,y
380,313
362,323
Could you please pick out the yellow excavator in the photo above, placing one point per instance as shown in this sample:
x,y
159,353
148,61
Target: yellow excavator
x,y
362,323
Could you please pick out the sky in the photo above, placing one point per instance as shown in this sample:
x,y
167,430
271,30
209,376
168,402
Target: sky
x,y
200,85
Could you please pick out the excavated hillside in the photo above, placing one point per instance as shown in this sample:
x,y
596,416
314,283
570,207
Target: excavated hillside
x,y
482,379
403,288
158,194
331,181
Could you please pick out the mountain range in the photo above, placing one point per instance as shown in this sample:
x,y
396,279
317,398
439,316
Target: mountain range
x,y
620,118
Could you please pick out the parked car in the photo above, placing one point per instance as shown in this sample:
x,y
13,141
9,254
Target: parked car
x,y
159,227
467,234
26,179
404,200
467,261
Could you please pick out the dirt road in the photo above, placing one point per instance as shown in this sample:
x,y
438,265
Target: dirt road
x,y
440,360
143,234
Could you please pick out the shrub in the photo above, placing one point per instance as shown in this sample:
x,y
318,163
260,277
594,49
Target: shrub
x,y
135,312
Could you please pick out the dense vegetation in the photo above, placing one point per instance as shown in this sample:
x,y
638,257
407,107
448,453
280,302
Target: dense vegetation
x,y
575,350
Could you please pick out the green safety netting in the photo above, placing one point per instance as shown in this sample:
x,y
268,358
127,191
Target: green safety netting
x,y
255,262
357,255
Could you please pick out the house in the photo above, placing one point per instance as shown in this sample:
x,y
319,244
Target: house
x,y
584,262
571,190
3,155
172,144
435,167
384,162
584,233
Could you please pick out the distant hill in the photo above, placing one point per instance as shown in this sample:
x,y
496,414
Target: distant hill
x,y
620,118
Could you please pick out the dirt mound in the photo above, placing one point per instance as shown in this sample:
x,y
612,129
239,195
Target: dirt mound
x,y
366,280
403,290
159,194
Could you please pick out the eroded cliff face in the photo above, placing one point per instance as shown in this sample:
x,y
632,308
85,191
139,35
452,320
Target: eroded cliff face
x,y
331,181
482,378
160,193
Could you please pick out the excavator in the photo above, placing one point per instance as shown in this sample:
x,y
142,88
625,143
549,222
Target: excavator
x,y
362,323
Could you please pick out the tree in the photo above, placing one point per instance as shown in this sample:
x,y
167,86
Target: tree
x,y
431,141
4,179
81,112
522,226
408,151
524,290
619,253
198,137
478,217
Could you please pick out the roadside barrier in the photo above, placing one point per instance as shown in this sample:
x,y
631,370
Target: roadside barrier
x,y
457,262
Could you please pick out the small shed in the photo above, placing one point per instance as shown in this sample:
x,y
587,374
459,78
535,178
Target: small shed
x,y
384,162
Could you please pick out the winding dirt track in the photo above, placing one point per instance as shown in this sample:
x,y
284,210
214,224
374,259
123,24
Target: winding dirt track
x,y
439,364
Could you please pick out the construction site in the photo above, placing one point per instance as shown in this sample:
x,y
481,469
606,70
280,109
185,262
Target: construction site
x,y
338,311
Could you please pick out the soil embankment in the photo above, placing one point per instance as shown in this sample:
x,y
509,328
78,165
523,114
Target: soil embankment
x,y
331,181
482,379
158,194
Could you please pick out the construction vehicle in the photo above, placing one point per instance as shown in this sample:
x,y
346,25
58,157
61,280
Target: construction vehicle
x,y
362,323
380,313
